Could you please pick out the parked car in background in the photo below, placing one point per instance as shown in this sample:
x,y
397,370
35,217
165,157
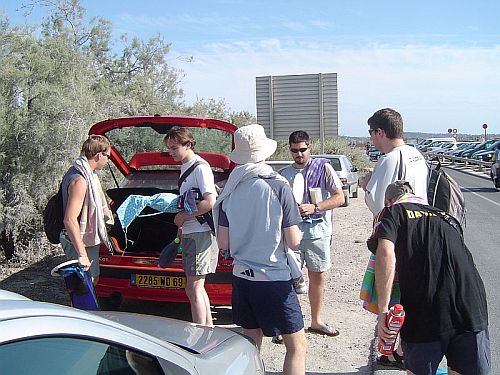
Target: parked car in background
x,y
488,153
426,142
495,173
374,154
45,338
480,147
348,174
129,268
460,150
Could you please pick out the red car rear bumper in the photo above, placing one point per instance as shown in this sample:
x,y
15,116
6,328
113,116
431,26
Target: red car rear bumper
x,y
116,280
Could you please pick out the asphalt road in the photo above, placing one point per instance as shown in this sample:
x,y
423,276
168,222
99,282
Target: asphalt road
x,y
482,234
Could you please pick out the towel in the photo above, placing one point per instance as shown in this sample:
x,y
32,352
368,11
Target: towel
x,y
314,175
161,202
239,174
95,211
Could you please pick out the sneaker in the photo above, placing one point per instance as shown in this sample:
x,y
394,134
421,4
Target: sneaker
x,y
300,285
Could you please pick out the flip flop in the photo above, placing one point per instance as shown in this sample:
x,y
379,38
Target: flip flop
x,y
277,339
325,330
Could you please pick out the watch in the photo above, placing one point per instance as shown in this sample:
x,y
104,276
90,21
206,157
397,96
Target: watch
x,y
316,209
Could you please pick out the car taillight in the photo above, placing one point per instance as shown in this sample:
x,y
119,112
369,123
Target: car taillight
x,y
344,181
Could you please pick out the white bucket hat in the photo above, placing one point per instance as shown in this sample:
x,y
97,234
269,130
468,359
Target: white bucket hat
x,y
251,145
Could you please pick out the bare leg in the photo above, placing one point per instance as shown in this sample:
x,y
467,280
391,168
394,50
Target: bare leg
x,y
256,335
295,357
198,298
316,295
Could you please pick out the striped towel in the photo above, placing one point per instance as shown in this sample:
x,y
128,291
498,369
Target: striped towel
x,y
368,294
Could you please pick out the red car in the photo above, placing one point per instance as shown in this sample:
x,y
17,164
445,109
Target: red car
x,y
129,269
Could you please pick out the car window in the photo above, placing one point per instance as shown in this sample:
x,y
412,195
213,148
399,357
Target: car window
x,y
129,141
336,164
66,355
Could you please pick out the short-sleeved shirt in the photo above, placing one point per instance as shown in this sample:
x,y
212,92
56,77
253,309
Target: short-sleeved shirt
x,y
441,289
201,178
256,212
404,161
329,185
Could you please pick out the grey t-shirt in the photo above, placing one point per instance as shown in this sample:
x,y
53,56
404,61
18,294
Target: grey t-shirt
x,y
256,212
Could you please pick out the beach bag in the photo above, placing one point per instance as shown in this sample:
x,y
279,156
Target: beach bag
x,y
444,193
368,292
53,216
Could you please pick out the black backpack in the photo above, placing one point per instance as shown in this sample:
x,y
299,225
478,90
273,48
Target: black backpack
x,y
53,216
444,193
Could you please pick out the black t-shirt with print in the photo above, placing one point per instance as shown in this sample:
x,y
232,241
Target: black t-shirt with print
x,y
441,290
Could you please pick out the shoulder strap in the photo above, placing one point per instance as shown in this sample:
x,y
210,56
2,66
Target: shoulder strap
x,y
400,171
448,218
183,177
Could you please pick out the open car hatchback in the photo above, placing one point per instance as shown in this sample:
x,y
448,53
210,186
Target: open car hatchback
x,y
129,268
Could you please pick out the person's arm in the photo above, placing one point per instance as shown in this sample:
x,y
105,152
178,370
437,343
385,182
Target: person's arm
x,y
76,196
334,187
385,268
384,173
205,181
223,234
223,238
292,237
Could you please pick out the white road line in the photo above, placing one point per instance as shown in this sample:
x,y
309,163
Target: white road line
x,y
480,196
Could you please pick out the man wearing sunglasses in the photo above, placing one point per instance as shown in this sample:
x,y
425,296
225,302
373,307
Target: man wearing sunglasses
x,y
400,162
85,207
316,226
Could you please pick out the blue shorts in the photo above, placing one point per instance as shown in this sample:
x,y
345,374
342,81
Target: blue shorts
x,y
272,306
466,353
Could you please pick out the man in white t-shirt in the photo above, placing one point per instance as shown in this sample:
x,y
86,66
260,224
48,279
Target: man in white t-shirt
x,y
199,248
400,162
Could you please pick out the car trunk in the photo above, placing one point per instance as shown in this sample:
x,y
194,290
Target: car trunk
x,y
148,233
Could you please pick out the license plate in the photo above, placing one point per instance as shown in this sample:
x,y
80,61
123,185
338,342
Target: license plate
x,y
157,281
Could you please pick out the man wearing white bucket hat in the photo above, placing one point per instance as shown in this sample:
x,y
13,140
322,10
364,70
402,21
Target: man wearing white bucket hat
x,y
256,219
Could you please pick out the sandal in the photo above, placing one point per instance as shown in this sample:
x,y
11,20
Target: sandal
x,y
324,330
277,339
398,362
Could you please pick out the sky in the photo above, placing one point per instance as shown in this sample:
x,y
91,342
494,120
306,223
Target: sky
x,y
436,62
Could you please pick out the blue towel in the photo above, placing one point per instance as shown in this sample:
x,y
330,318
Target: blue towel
x,y
162,202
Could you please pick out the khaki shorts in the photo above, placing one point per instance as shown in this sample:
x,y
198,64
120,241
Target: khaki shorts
x,y
315,254
70,251
199,253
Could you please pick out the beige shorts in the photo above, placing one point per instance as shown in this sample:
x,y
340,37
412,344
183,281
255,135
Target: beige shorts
x,y
70,251
199,253
316,254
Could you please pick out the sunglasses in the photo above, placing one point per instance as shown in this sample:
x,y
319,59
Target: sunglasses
x,y
297,150
373,130
107,155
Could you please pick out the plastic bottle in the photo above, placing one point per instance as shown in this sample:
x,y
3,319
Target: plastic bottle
x,y
394,321
179,248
